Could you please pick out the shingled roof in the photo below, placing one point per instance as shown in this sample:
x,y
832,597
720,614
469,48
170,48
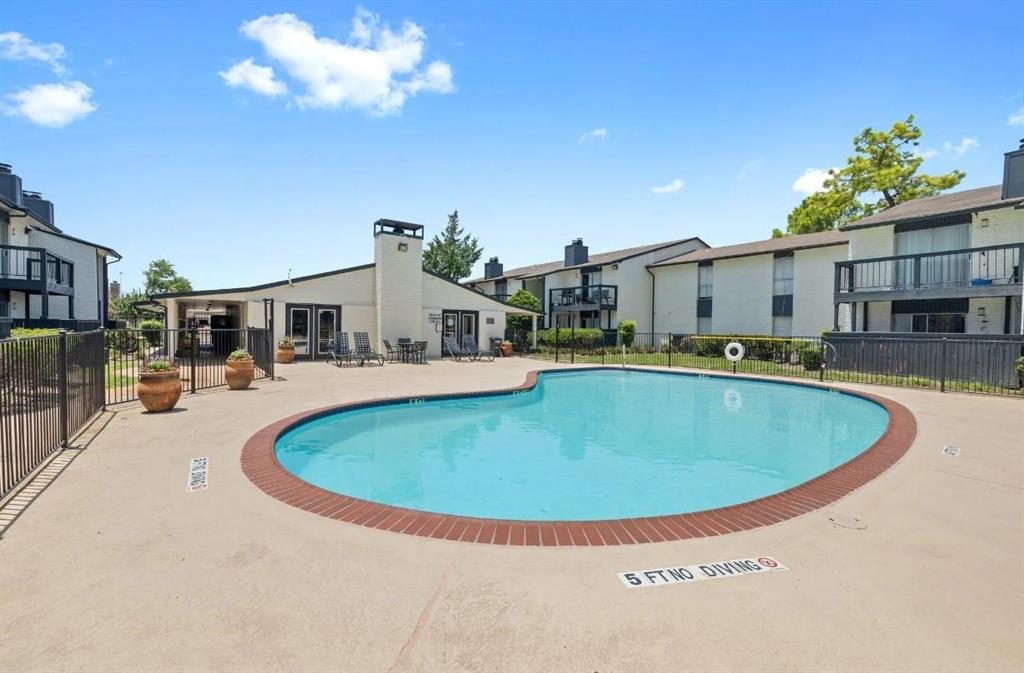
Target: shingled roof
x,y
598,259
784,244
956,203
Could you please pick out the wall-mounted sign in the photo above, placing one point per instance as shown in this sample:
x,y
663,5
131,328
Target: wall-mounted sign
x,y
435,318
490,321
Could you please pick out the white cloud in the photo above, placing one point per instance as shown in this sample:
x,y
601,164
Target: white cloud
x,y
259,78
927,153
377,69
670,188
18,47
52,105
811,181
596,134
1016,118
963,147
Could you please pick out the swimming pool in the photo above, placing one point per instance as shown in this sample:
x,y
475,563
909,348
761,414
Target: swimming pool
x,y
585,445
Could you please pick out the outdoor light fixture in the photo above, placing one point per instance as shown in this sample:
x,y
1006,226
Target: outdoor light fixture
x,y
403,247
981,311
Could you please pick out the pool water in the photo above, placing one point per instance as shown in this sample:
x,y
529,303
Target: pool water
x,y
585,445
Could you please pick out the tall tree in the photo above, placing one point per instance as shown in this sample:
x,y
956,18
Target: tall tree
x,y
882,173
124,306
451,254
161,277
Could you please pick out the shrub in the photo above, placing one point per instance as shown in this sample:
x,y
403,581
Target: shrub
x,y
239,354
585,337
627,332
811,359
152,331
159,366
29,332
1020,366
122,341
522,299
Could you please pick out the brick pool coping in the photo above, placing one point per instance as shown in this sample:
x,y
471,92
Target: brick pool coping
x,y
260,465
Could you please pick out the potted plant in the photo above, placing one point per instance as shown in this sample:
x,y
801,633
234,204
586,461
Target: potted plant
x,y
159,386
238,369
285,350
506,349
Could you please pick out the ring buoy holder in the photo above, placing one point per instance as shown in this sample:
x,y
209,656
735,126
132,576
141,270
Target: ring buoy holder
x,y
734,352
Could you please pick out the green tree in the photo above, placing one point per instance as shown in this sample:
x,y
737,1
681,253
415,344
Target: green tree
x,y
882,173
161,277
124,307
451,254
522,299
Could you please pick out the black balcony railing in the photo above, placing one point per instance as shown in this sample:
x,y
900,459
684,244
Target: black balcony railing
x,y
970,267
31,268
500,296
586,297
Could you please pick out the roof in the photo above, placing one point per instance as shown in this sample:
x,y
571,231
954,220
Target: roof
x,y
61,234
324,274
963,202
785,244
598,259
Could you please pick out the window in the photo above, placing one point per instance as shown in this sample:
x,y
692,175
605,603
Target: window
x,y
782,326
705,281
783,275
704,325
501,287
941,323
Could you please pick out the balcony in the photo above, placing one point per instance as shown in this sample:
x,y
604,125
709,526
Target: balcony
x,y
500,296
35,270
991,271
584,298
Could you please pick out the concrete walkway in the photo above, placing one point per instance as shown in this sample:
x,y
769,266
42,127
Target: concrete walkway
x,y
114,567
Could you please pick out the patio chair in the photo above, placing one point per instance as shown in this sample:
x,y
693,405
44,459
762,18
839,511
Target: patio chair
x,y
474,350
364,352
392,353
339,350
454,349
419,351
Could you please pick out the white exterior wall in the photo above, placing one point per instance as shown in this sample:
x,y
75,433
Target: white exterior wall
x,y
399,287
742,296
439,294
813,284
675,299
872,242
997,226
88,277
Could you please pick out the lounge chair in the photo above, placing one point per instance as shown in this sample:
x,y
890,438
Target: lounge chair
x,y
364,352
454,349
339,350
474,350
392,353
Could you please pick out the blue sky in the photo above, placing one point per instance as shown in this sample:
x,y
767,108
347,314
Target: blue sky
x,y
223,137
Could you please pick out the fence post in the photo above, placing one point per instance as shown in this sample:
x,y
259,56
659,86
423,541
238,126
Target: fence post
x,y
271,349
821,369
942,364
556,339
193,348
62,385
572,339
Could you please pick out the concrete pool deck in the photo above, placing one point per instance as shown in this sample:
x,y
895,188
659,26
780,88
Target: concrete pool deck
x,y
115,567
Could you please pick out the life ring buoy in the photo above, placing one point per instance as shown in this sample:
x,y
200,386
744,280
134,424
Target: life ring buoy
x,y
734,351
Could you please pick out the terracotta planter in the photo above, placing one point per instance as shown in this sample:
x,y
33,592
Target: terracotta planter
x,y
159,391
285,353
238,373
506,349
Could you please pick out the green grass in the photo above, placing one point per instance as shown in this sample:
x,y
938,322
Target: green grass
x,y
119,375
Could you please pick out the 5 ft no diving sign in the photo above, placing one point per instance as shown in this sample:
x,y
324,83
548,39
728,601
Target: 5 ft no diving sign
x,y
658,577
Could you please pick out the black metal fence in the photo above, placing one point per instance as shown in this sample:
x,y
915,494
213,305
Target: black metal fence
x,y
50,387
198,353
959,363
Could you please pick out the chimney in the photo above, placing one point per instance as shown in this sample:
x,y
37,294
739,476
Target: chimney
x,y
1013,173
493,268
115,290
576,253
398,274
10,185
38,206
